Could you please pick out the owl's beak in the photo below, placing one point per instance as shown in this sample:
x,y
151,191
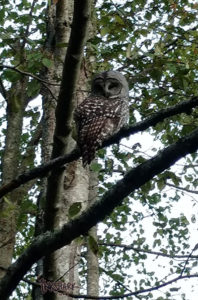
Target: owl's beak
x,y
107,91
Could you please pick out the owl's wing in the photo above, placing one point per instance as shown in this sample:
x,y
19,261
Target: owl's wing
x,y
97,119
93,134
90,139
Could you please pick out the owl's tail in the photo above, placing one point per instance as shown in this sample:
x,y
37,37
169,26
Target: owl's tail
x,y
91,139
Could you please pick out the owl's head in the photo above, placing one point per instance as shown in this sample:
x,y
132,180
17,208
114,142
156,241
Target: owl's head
x,y
110,84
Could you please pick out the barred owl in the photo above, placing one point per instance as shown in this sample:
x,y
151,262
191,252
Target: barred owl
x,y
103,113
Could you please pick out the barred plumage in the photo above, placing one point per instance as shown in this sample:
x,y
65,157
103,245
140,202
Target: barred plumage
x,y
103,113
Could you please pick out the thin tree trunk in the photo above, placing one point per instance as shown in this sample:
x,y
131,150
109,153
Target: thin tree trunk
x,y
16,103
92,258
63,264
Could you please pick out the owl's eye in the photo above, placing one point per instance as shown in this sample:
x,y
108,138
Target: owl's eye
x,y
98,88
114,85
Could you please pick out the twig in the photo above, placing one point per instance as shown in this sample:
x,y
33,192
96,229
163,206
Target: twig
x,y
188,258
3,90
182,189
72,267
43,82
129,247
142,291
28,74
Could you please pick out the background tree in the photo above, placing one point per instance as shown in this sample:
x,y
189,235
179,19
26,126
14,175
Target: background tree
x,y
154,45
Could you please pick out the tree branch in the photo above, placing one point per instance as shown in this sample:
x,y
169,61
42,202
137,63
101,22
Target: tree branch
x,y
43,82
40,171
187,260
138,292
129,247
3,90
182,188
28,75
121,296
153,119
49,242
56,163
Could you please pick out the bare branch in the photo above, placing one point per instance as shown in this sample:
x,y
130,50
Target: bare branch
x,y
129,247
139,292
3,90
28,74
187,260
121,296
182,189
43,82
71,70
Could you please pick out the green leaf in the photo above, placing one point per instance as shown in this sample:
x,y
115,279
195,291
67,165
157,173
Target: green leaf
x,y
96,167
47,62
161,184
10,207
75,209
33,88
119,20
104,31
11,75
93,244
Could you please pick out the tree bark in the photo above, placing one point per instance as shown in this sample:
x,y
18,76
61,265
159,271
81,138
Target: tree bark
x,y
92,258
16,103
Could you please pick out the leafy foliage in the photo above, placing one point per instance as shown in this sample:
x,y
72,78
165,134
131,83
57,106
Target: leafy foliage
x,y
154,44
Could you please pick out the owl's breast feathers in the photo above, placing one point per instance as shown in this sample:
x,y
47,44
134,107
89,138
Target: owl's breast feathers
x,y
97,119
95,106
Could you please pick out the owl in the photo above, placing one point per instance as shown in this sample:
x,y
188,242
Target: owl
x,y
102,113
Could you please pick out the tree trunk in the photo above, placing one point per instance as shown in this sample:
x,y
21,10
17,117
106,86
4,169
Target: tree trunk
x,y
63,264
58,30
92,258
74,182
16,103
